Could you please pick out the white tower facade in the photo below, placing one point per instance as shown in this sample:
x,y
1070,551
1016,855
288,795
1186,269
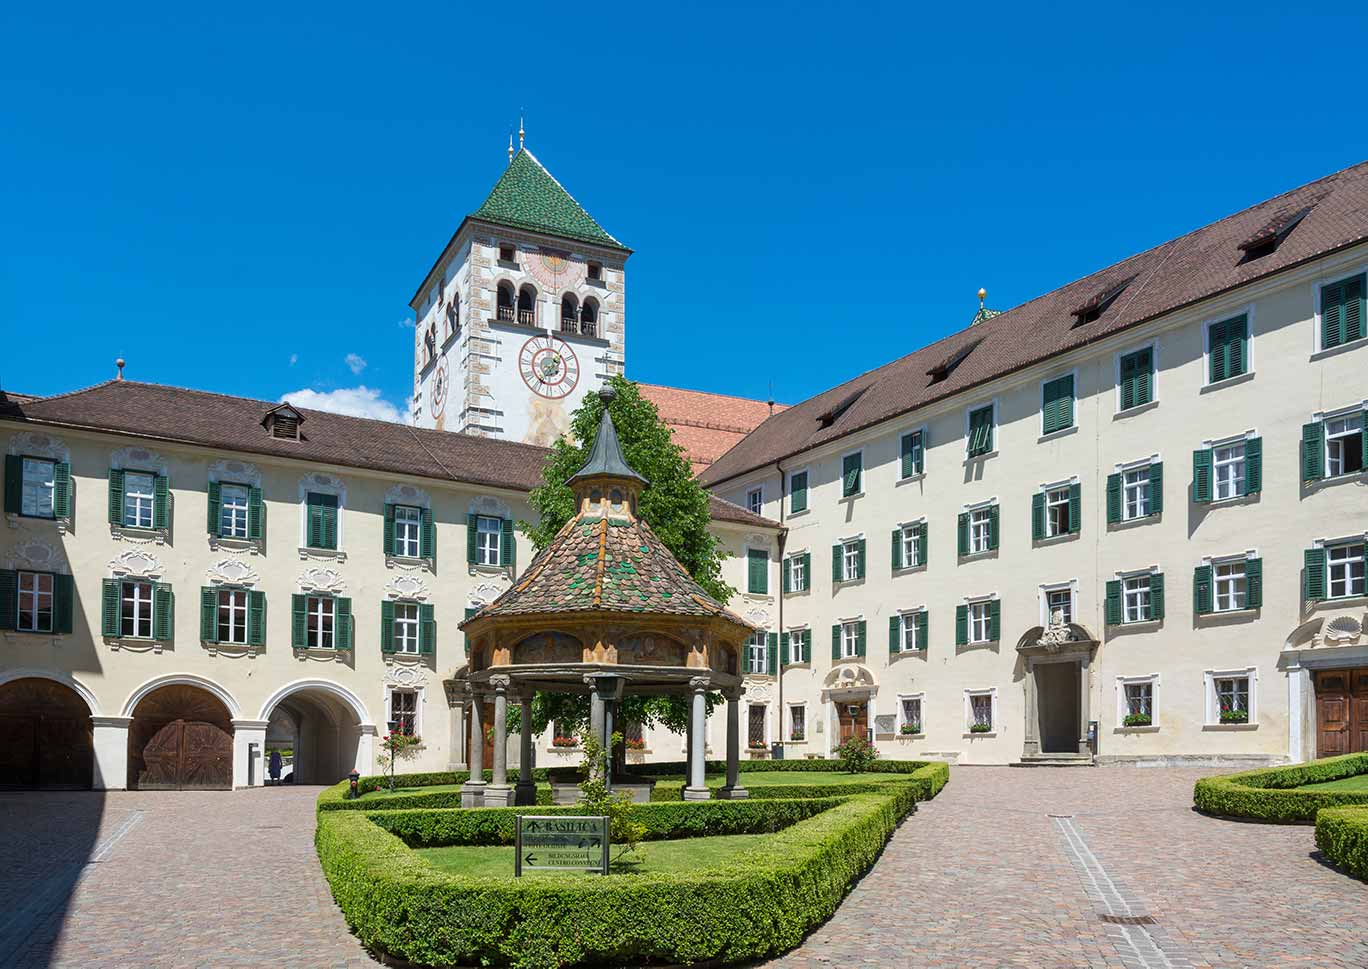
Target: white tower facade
x,y
522,315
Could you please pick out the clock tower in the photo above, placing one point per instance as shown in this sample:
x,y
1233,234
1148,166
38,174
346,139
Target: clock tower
x,y
522,314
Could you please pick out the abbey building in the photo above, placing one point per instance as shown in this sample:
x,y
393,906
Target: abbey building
x,y
1122,522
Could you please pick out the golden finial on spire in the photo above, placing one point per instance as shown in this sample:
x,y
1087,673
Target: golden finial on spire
x,y
510,147
521,134
983,294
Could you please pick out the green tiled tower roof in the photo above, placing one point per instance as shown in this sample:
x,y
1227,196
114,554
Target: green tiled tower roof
x,y
527,196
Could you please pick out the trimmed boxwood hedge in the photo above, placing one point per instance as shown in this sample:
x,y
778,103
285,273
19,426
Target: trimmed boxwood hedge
x,y
1342,836
761,902
1267,795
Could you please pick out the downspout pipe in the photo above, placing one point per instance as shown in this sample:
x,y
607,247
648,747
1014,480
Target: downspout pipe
x,y
779,662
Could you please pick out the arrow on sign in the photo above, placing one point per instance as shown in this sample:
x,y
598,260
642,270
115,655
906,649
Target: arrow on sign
x,y
530,860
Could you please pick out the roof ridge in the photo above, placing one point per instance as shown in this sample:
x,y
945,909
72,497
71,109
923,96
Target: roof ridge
x,y
82,390
537,161
708,393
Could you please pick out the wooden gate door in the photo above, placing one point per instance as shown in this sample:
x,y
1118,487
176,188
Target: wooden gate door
x,y
854,718
1358,711
45,736
1334,713
187,756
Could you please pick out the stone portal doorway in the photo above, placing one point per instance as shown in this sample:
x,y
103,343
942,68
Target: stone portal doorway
x,y
1057,707
1057,661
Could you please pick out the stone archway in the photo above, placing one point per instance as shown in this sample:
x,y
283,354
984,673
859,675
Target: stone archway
x,y
332,731
180,739
1057,661
46,735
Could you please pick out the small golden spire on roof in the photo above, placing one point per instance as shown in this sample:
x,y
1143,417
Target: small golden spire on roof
x,y
510,147
521,134
983,294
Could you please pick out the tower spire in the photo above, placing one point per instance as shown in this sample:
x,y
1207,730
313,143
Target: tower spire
x,y
510,147
521,134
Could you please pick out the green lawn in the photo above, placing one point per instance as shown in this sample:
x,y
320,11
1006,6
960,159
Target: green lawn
x,y
1359,782
689,854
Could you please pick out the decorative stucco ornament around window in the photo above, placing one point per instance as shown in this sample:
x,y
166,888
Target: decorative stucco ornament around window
x,y
137,564
326,581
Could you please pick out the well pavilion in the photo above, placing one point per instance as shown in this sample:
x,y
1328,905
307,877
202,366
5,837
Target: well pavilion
x,y
605,609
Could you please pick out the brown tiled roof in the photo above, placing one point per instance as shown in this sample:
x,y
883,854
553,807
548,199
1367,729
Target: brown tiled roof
x,y
199,418
706,425
597,564
1199,265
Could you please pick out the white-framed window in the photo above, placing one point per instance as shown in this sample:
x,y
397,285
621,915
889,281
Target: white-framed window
x,y
319,614
757,725
489,533
135,609
36,491
1137,701
1229,586
757,657
850,639
908,641
1344,564
1135,493
911,546
232,615
980,529
798,577
980,710
1228,346
1057,598
1057,518
35,602
850,561
1343,445
755,501
1232,696
910,714
139,495
797,722
911,454
403,712
981,621
406,627
1135,598
1228,470
233,499
407,527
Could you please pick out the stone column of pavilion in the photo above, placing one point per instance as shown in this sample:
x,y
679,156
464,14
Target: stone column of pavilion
x,y
605,609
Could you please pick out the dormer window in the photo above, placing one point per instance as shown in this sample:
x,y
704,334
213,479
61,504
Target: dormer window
x,y
1093,309
594,272
283,422
947,366
832,416
1270,235
507,253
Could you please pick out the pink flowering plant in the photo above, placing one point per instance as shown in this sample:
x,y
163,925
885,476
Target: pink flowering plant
x,y
395,747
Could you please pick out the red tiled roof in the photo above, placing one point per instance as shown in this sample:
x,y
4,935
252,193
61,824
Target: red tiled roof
x,y
706,425
1194,267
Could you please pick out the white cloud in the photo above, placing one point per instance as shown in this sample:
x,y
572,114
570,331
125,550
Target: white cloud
x,y
356,363
294,359
407,323
359,401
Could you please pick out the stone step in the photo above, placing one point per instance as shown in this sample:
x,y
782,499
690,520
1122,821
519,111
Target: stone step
x,y
1056,760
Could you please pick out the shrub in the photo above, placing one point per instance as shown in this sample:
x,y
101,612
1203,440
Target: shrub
x,y
1267,795
856,754
1234,716
1137,720
980,728
1342,837
908,729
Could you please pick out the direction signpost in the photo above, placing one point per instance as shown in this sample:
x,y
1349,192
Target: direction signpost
x,y
561,842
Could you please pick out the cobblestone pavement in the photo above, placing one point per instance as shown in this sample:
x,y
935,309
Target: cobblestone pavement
x,y
167,879
984,876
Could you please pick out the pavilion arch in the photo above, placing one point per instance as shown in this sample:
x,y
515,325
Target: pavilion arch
x,y
182,679
327,728
73,684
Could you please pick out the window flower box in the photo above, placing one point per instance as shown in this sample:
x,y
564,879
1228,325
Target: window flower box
x,y
981,728
565,742
797,736
1234,716
635,743
909,729
1137,720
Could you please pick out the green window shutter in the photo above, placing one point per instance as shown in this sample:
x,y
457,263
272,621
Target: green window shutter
x,y
961,625
109,607
256,617
1057,404
993,526
784,658
14,484
1218,367
798,487
1201,476
1156,483
1254,583
9,598
964,533
472,533
161,502
807,645
1201,590
330,513
1113,498
836,573
995,620
860,638
1354,310
299,628
1363,438
923,550
1144,376
508,548
981,431
911,451
389,529
772,654
427,534
835,642
851,468
214,508
1253,480
256,513
427,628
920,620
1113,602
807,572
1237,346
116,496
787,576
61,489
1038,516
208,614
163,612
757,569
1313,451
63,603
1313,583
1342,312
1127,382
860,559
342,623
1157,596
897,549
894,634
1075,508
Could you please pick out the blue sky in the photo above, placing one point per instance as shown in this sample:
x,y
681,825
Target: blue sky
x,y
243,201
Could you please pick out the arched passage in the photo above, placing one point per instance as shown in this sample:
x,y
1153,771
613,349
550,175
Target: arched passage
x,y
46,737
331,731
180,739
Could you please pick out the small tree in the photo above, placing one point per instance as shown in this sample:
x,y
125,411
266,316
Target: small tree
x,y
856,754
597,799
395,747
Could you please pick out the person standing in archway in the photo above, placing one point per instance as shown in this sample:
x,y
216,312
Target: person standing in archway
x,y
275,767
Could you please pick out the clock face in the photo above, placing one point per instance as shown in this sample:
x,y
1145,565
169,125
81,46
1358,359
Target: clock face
x,y
548,366
439,389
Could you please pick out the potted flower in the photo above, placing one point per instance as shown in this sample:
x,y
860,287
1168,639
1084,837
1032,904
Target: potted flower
x,y
1137,720
797,735
981,728
635,743
908,729
565,742
1234,716
757,747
